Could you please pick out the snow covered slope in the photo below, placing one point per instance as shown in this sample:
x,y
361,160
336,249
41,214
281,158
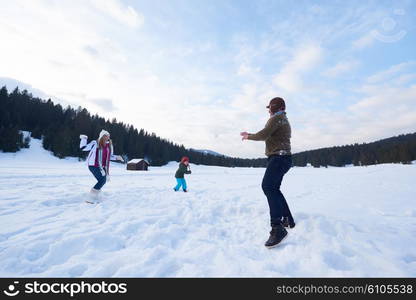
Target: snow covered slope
x,y
356,221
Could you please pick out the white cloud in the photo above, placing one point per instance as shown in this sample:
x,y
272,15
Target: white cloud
x,y
73,54
305,58
393,70
364,41
384,98
105,104
341,68
246,70
385,107
124,14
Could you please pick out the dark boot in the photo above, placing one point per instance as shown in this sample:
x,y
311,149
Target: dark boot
x,y
277,234
185,191
288,222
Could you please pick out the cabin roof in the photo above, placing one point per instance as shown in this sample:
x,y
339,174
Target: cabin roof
x,y
137,160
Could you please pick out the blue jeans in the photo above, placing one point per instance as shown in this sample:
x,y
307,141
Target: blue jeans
x,y
100,178
181,183
277,167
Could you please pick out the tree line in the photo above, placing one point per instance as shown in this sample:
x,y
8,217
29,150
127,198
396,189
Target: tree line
x,y
60,128
398,149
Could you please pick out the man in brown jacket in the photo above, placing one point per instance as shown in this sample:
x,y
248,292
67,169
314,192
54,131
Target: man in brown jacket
x,y
277,135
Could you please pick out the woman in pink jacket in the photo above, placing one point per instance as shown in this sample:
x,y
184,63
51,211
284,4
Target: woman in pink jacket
x,y
101,152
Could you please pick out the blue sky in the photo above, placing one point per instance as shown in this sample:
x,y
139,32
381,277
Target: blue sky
x,y
199,72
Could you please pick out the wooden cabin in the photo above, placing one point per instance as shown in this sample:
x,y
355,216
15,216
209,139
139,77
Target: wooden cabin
x,y
138,164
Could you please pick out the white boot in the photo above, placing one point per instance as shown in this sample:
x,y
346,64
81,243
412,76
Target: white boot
x,y
94,196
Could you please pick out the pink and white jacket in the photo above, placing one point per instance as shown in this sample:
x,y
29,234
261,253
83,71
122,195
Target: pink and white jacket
x,y
96,153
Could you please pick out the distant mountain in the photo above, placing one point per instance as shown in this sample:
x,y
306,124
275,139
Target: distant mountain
x,y
11,84
208,152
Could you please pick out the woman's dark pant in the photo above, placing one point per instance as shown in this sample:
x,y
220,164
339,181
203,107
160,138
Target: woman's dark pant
x,y
100,178
277,167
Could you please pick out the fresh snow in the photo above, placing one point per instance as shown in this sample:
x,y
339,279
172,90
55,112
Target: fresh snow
x,y
136,160
355,222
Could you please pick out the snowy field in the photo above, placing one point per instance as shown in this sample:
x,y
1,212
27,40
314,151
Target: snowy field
x,y
354,221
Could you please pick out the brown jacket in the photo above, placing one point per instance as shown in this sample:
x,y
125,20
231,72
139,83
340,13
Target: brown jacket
x,y
276,134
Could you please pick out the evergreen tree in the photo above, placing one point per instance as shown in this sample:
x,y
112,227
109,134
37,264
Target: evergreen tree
x,y
11,140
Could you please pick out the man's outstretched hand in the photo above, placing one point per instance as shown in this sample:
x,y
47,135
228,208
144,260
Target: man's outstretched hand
x,y
244,135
